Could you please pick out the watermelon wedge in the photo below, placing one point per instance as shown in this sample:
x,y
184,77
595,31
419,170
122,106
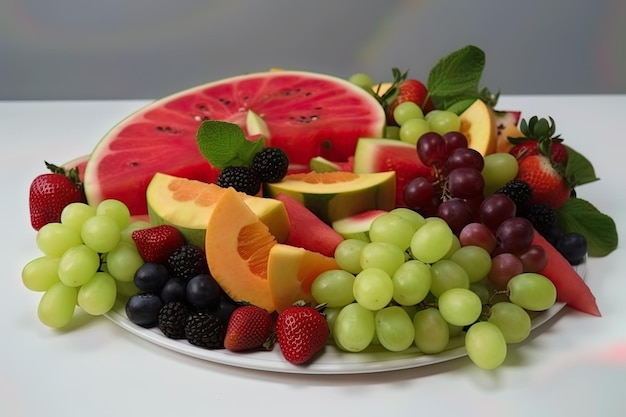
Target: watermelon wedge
x,y
307,115
570,287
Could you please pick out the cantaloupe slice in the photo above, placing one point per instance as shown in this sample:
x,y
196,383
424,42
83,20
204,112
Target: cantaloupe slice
x,y
237,248
478,124
291,272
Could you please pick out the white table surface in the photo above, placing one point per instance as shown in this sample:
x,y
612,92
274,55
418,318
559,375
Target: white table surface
x,y
575,365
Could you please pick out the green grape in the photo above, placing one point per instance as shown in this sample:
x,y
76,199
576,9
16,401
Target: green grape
x,y
432,333
392,229
456,245
101,233
123,261
460,306
126,234
348,255
116,210
432,241
126,288
373,288
41,273
354,328
394,328
512,320
412,129
406,111
416,219
331,314
362,80
392,132
56,307
481,290
382,255
98,295
333,288
475,260
454,330
54,239
443,121
75,214
499,168
78,265
485,345
446,275
411,282
531,291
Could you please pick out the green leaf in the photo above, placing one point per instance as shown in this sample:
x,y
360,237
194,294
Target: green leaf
x,y
456,76
580,216
224,144
461,105
579,168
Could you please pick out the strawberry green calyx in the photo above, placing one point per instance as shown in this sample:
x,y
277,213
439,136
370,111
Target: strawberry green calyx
x,y
72,174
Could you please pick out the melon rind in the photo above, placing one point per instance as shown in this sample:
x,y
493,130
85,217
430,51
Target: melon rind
x,y
192,219
358,225
331,202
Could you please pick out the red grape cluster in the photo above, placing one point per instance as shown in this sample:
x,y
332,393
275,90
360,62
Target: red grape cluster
x,y
455,194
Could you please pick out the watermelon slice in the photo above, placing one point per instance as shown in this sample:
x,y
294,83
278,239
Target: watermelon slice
x,y
382,155
307,115
570,287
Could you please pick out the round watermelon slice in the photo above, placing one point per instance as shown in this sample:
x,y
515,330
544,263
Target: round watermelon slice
x,y
307,115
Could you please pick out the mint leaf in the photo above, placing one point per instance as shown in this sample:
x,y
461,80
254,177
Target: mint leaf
x,y
580,216
456,76
579,168
224,144
461,105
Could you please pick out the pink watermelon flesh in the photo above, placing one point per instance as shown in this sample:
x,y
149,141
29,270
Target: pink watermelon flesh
x,y
306,230
307,115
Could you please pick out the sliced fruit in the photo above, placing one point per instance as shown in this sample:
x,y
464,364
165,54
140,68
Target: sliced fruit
x,y
357,226
80,163
306,230
189,204
503,144
291,272
335,195
382,155
321,164
307,115
478,124
570,287
237,248
506,125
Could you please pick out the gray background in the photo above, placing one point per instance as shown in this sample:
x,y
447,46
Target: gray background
x,y
112,49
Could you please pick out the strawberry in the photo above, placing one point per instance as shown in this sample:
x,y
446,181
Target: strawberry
x,y
249,327
539,139
547,183
51,192
301,332
156,244
405,89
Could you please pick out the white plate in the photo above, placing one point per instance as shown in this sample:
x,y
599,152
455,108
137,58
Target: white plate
x,y
330,361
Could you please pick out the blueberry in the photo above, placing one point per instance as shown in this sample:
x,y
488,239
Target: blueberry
x,y
203,292
143,309
150,277
174,290
573,246
225,308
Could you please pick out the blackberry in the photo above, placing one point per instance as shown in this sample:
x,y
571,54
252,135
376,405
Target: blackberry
x,y
172,319
188,261
519,191
242,179
205,330
270,164
542,217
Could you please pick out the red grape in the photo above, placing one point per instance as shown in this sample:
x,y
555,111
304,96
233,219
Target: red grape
x,y
418,193
478,234
534,258
456,212
431,149
515,234
465,183
504,267
495,209
454,140
465,157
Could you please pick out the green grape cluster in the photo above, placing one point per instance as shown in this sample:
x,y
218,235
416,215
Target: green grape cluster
x,y
412,284
413,123
87,259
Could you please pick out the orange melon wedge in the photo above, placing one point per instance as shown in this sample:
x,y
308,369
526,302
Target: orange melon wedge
x,y
237,246
291,272
478,124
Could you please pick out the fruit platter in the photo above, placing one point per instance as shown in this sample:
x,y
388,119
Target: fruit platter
x,y
298,222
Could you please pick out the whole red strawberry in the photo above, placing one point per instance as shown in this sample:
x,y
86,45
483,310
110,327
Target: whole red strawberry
x,y
249,327
539,139
547,183
156,244
301,332
405,89
50,193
